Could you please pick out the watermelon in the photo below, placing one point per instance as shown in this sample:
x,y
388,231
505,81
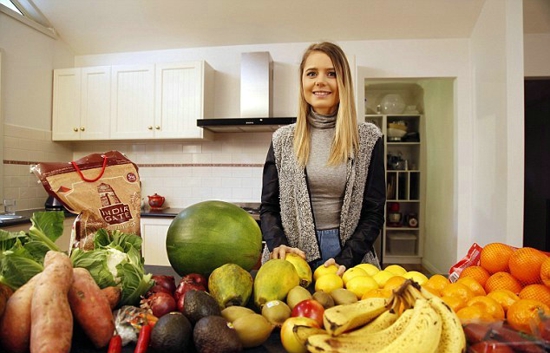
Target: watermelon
x,y
209,234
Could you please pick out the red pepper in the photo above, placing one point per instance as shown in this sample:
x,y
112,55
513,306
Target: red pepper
x,y
115,345
143,339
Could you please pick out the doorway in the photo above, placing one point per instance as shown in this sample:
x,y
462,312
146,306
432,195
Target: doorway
x,y
536,214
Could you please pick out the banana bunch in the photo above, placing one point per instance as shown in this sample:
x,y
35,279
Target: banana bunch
x,y
412,320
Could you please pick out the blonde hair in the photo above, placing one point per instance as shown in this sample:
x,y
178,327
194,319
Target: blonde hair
x,y
346,138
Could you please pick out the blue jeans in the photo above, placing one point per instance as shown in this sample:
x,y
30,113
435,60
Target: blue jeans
x,y
329,243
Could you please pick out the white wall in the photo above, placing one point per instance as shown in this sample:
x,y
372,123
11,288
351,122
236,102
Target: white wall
x,y
537,55
28,59
497,68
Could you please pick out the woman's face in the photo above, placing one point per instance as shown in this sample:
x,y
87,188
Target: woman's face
x,y
319,83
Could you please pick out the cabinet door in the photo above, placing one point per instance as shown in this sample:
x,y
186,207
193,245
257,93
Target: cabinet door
x,y
96,103
66,105
179,100
153,233
132,102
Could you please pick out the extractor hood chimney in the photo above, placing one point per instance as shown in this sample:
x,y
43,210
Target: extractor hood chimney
x,y
256,99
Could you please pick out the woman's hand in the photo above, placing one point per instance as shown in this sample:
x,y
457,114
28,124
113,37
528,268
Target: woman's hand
x,y
281,251
341,268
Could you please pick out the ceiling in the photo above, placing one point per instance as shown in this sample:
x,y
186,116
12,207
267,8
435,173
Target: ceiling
x,y
110,26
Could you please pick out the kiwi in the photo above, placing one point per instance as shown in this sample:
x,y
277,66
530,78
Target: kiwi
x,y
232,313
296,295
253,329
276,312
343,296
324,298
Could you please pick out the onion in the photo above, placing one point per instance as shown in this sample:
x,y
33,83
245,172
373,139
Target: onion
x,y
161,303
163,283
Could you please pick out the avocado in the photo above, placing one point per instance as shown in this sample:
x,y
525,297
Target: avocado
x,y
212,334
198,304
171,333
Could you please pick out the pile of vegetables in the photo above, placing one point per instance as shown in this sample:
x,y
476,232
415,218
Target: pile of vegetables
x,y
115,260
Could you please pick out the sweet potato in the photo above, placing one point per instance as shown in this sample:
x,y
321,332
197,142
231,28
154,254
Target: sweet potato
x,y
5,294
51,317
90,308
113,295
15,326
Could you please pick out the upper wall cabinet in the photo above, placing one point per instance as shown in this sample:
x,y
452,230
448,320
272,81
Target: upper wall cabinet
x,y
133,102
161,101
81,104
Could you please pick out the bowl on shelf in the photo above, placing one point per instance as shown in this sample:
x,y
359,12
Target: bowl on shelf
x,y
396,133
392,104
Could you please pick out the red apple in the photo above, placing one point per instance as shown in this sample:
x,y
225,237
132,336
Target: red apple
x,y
288,339
310,308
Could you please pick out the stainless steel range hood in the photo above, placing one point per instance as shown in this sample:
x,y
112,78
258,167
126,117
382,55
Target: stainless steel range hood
x,y
256,99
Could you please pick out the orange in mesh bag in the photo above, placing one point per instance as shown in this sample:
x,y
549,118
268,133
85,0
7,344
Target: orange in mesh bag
x,y
103,189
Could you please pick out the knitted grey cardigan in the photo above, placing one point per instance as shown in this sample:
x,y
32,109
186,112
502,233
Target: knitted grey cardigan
x,y
296,214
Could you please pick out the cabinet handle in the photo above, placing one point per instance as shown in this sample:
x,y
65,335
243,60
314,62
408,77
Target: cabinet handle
x,y
150,127
157,127
82,128
75,129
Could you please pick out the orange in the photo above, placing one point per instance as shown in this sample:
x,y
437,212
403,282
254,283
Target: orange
x,y
494,257
525,264
474,285
377,293
502,280
489,305
453,302
476,272
474,313
459,291
545,272
394,282
504,297
537,292
521,313
436,283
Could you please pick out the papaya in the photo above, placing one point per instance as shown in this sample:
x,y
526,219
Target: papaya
x,y
302,267
230,285
274,280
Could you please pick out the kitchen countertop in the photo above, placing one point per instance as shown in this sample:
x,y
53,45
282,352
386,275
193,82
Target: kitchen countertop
x,y
252,208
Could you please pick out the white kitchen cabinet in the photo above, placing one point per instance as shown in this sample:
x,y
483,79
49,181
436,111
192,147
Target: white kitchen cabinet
x,y
132,102
81,104
153,233
182,95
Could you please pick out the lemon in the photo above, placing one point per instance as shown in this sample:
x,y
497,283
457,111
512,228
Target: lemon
x,y
381,277
396,270
352,273
369,268
361,284
322,270
329,282
416,276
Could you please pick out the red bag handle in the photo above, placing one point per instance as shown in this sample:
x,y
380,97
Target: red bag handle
x,y
91,180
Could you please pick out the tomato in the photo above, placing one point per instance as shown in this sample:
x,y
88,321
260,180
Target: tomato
x,y
288,339
310,308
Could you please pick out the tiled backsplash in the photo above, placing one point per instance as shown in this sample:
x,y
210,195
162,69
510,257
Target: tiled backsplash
x,y
227,168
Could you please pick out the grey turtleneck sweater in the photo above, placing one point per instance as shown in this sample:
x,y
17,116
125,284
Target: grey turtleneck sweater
x,y
326,183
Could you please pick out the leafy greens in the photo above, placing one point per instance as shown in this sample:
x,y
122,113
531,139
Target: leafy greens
x,y
22,254
116,260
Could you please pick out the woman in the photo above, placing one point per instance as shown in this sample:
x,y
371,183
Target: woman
x,y
324,186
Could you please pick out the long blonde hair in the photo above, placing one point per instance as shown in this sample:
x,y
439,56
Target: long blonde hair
x,y
346,138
